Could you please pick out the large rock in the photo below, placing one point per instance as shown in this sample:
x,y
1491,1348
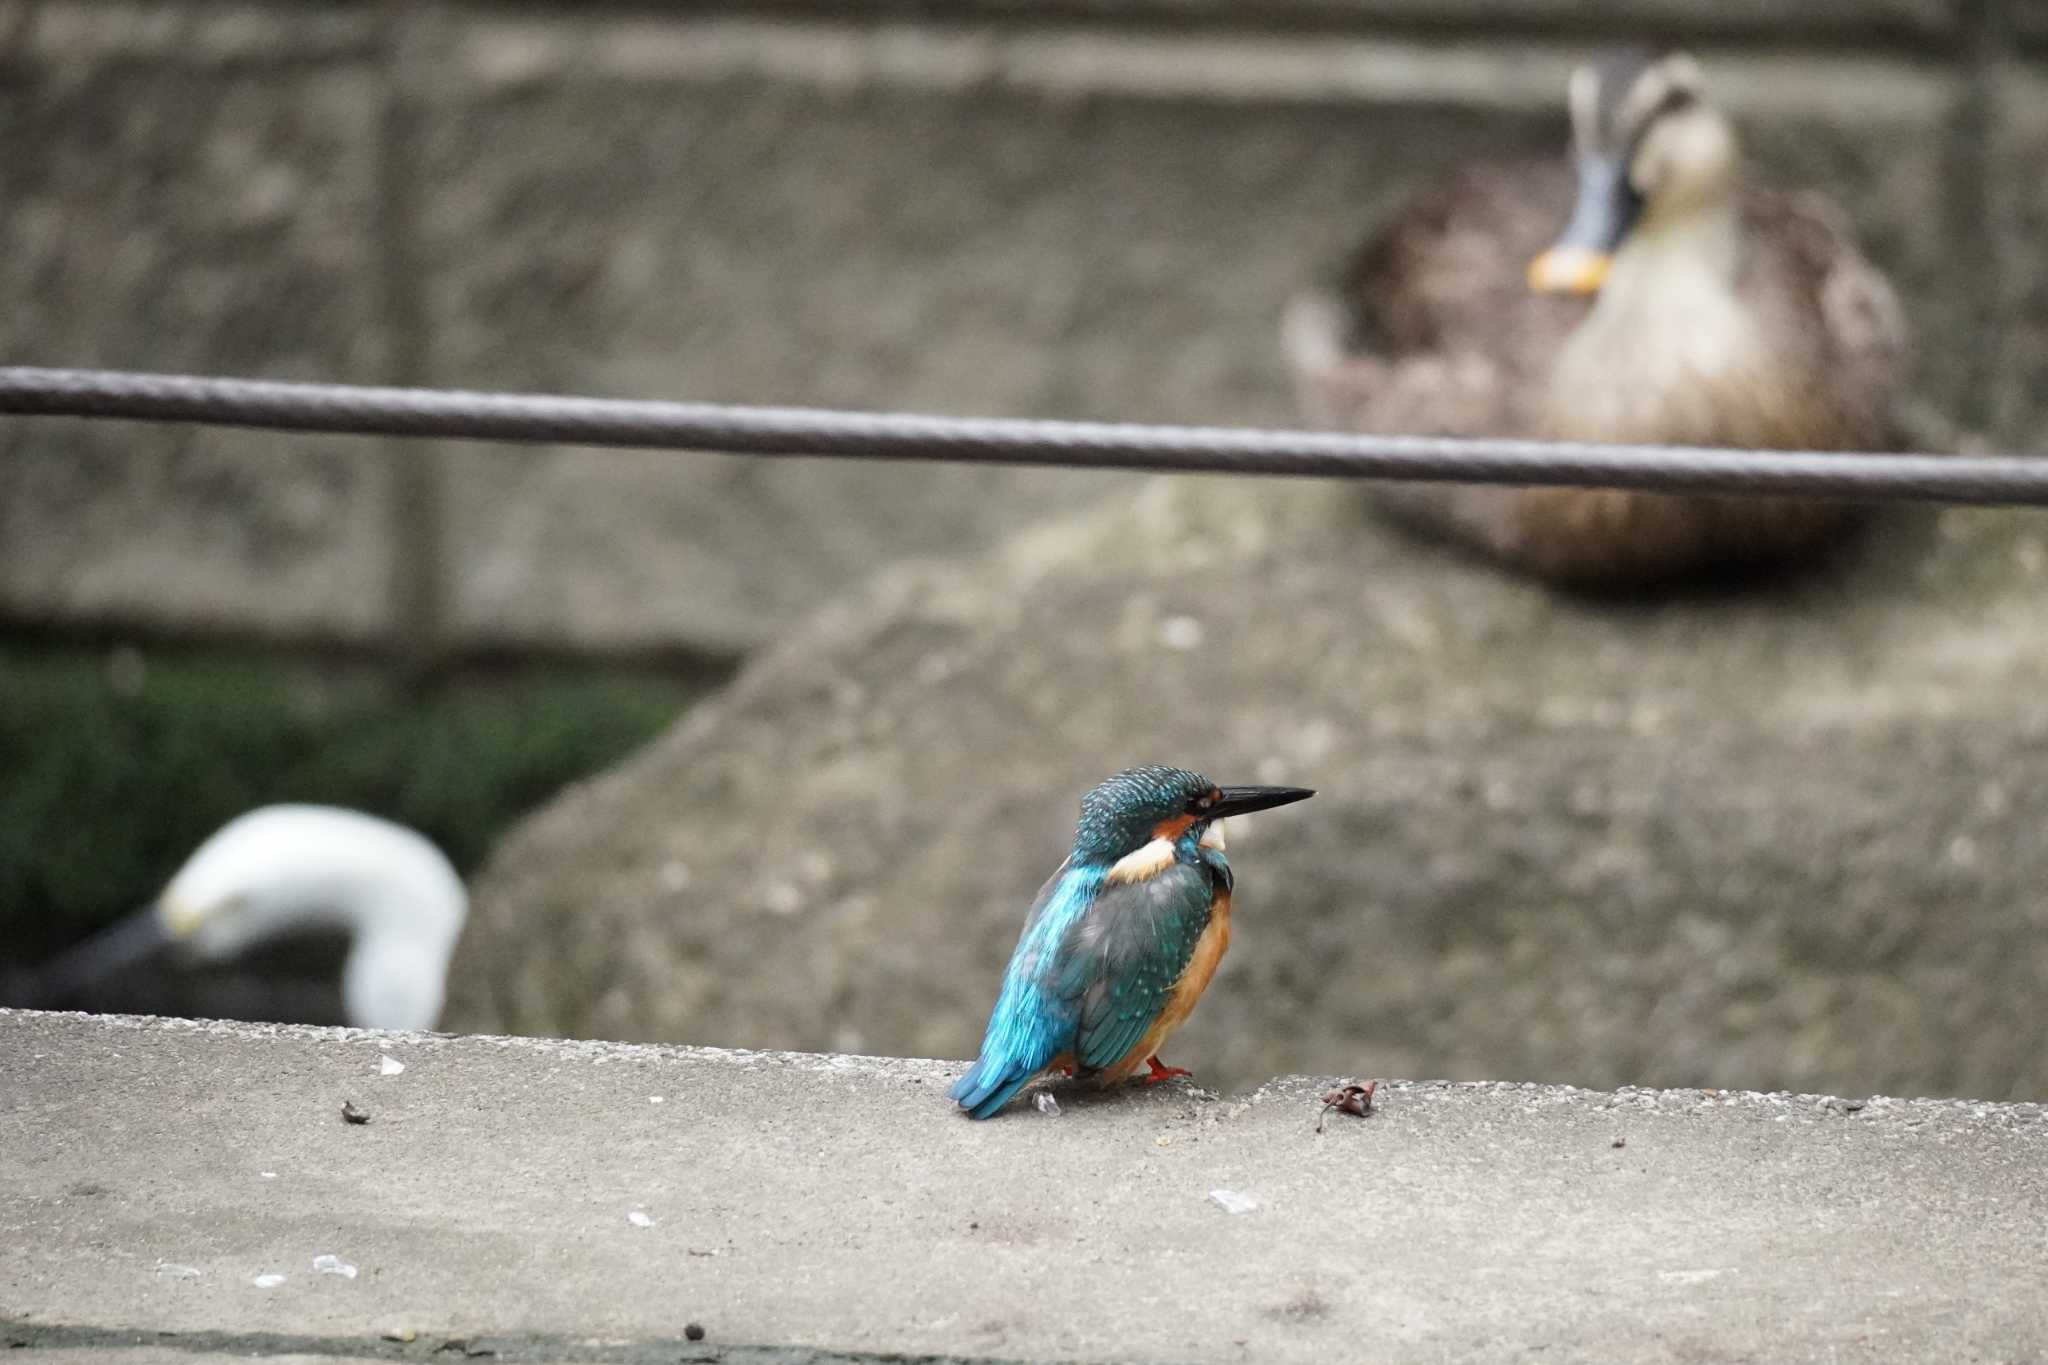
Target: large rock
x,y
1785,838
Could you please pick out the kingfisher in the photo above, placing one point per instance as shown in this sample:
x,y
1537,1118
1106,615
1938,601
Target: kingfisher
x,y
1121,941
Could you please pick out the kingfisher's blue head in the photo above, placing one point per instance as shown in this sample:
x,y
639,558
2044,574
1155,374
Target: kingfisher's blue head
x,y
1138,805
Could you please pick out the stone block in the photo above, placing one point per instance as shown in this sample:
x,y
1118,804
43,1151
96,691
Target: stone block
x,y
1002,218
171,216
2029,22
1859,20
947,229
769,241
187,33
2020,262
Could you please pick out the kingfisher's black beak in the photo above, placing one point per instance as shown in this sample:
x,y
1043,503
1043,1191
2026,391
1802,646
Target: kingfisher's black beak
x,y
1606,209
1245,800
113,950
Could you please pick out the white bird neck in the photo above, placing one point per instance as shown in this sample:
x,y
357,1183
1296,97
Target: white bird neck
x,y
397,972
404,922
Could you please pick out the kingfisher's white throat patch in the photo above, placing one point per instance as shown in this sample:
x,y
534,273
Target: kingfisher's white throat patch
x,y
1143,864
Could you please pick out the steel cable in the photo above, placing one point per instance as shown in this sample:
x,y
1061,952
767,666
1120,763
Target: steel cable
x,y
782,431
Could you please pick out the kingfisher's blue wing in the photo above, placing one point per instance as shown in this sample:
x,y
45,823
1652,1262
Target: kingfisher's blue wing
x,y
1120,960
1030,1024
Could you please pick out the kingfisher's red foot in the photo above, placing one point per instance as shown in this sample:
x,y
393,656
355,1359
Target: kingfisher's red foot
x,y
1160,1073
1064,1070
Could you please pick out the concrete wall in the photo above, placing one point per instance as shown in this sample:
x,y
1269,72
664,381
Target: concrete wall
x,y
1093,211
599,1204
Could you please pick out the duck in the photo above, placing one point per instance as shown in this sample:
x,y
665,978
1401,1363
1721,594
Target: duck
x,y
286,869
1679,305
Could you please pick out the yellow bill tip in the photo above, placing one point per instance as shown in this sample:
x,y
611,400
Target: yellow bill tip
x,y
179,918
1569,270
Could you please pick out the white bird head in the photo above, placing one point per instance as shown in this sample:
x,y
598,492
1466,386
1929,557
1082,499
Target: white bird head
x,y
280,869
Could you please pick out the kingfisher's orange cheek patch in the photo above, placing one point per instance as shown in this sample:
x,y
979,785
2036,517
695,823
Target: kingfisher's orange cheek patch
x,y
1172,828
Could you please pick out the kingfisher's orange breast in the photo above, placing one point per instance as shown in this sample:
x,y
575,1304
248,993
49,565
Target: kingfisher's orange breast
x,y
1194,979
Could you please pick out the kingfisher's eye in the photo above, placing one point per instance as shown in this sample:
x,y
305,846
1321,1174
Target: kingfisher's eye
x,y
1204,801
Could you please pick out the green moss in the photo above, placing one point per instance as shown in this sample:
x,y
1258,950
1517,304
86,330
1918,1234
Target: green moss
x,y
115,764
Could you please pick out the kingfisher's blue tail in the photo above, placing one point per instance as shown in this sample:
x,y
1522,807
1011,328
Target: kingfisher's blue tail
x,y
990,1084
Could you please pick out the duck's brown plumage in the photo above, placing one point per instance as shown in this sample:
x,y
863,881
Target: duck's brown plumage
x,y
1432,329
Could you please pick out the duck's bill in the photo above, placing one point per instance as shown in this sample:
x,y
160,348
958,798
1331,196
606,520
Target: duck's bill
x,y
1606,209
107,954
1245,800
1569,270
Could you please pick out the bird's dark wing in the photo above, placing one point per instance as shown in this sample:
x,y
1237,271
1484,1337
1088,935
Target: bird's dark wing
x,y
1450,268
1118,963
1431,328
1806,261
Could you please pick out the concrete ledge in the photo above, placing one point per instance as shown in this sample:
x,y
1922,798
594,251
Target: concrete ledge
x,y
551,1200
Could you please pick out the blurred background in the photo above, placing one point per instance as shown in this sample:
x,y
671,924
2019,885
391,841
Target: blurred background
x,y
1790,836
